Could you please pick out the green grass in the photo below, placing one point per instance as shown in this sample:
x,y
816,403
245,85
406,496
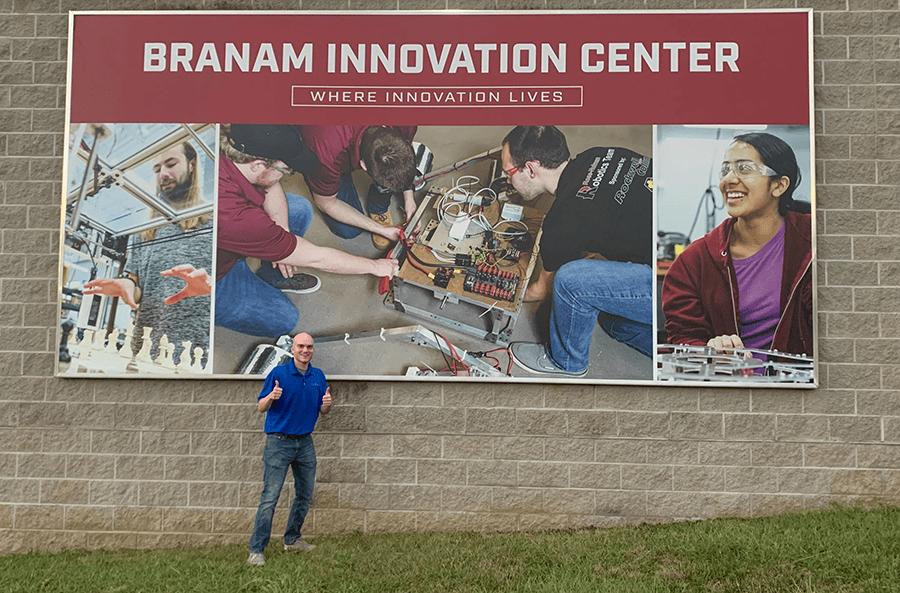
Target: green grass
x,y
844,549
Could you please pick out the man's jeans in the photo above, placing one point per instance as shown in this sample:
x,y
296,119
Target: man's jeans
x,y
280,453
246,303
617,294
378,203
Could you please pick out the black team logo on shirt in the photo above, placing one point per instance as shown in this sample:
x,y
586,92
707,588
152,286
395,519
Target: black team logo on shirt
x,y
591,181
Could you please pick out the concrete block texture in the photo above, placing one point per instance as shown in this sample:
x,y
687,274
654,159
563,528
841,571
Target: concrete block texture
x,y
93,463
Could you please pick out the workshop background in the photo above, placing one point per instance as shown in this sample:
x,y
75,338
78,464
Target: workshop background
x,y
349,304
141,463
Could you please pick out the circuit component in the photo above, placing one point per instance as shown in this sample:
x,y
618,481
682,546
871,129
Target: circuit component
x,y
442,277
511,254
492,282
490,241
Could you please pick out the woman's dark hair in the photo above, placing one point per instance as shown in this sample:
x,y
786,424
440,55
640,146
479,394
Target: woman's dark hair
x,y
778,156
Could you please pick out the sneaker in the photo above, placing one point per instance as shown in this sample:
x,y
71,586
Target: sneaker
x,y
298,284
256,559
300,545
381,243
534,358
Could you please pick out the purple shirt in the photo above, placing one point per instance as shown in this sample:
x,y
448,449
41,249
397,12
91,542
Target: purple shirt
x,y
759,289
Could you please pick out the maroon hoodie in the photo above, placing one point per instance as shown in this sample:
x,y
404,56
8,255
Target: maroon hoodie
x,y
700,292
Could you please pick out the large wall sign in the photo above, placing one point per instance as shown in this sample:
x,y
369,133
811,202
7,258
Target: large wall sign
x,y
582,197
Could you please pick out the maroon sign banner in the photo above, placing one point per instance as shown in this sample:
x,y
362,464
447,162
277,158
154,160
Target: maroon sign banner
x,y
441,196
565,68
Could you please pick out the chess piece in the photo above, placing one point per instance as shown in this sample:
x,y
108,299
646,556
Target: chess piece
x,y
144,354
129,334
184,363
197,367
111,339
166,350
72,344
87,344
162,345
98,341
67,326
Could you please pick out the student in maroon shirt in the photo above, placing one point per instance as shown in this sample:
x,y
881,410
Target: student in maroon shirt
x,y
386,153
257,219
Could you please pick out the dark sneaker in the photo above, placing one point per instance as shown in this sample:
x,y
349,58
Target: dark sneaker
x,y
533,358
256,559
300,545
298,283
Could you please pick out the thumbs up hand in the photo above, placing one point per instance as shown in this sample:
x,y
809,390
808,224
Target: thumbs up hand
x,y
276,391
326,402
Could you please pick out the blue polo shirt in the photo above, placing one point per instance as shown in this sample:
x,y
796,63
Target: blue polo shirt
x,y
297,410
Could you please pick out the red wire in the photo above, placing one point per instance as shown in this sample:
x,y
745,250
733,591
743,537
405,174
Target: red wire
x,y
508,354
458,357
454,355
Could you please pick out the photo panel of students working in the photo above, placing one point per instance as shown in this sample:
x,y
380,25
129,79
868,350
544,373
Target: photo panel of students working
x,y
309,235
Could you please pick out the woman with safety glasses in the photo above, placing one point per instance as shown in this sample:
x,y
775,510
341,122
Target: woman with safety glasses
x,y
748,283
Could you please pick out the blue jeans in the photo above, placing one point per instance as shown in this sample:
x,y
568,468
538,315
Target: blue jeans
x,y
618,294
378,203
245,303
280,453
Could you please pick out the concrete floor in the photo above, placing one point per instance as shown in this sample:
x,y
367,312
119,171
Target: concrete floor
x,y
351,304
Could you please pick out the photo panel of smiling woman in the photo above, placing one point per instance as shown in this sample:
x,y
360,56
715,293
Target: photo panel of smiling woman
x,y
735,240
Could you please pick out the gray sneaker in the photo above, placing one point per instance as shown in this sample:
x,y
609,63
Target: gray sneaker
x,y
534,358
300,545
298,284
256,559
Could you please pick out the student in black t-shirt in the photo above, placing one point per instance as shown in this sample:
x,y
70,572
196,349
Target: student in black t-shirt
x,y
603,206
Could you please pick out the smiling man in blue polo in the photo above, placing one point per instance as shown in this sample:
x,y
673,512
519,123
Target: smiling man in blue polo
x,y
292,397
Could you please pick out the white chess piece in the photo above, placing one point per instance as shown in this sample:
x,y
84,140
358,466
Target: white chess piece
x,y
197,367
111,339
184,363
126,346
99,338
163,344
166,350
87,344
72,344
144,354
170,356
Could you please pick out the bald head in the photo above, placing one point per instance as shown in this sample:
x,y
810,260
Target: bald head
x,y
302,349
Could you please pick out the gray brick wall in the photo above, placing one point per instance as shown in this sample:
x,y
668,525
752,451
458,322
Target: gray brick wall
x,y
92,463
